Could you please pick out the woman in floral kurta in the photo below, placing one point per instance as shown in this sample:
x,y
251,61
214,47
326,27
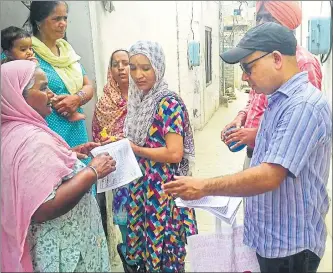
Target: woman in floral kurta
x,y
73,242
157,228
50,220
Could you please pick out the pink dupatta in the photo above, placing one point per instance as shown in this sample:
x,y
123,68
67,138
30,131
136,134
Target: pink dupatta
x,y
34,161
111,109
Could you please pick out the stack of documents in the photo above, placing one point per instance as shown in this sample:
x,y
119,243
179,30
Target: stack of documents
x,y
224,208
127,168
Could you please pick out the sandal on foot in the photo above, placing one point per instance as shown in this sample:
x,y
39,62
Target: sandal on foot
x,y
129,268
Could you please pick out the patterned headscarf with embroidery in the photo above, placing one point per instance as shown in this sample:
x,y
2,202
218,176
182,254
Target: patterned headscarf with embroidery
x,y
141,108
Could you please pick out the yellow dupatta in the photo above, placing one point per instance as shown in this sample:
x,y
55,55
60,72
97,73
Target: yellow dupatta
x,y
66,65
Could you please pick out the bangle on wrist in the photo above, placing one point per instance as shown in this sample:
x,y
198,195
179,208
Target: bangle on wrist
x,y
82,96
93,168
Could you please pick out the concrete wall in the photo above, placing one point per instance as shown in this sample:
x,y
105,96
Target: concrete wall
x,y
210,18
157,20
132,21
13,13
79,35
202,100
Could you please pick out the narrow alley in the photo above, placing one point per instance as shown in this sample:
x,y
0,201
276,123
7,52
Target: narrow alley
x,y
79,80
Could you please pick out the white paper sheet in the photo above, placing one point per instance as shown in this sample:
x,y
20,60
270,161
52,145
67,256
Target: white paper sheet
x,y
207,201
228,215
127,168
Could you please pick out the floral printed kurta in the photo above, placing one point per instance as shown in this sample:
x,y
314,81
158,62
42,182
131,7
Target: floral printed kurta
x,y
73,242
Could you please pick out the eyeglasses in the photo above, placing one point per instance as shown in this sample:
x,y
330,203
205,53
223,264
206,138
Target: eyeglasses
x,y
245,66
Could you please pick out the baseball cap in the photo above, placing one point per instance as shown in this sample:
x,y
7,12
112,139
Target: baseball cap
x,y
265,37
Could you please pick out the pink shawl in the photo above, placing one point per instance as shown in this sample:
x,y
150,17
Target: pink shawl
x,y
110,111
34,161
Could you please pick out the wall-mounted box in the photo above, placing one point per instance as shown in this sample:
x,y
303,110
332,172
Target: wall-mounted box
x,y
319,35
194,53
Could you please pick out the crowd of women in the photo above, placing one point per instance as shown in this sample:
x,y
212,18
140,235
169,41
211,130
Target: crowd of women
x,y
51,220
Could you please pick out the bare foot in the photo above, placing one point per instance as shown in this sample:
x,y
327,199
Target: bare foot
x,y
76,117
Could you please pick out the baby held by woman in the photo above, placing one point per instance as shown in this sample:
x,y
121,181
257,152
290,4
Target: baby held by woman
x,y
16,44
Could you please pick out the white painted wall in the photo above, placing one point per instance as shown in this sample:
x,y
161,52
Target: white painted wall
x,y
156,20
210,18
13,13
79,35
201,100
309,9
132,21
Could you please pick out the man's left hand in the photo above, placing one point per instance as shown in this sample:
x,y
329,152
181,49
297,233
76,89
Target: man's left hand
x,y
185,187
245,136
82,151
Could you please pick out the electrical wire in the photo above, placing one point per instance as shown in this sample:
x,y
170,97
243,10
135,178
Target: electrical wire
x,y
28,7
192,23
26,4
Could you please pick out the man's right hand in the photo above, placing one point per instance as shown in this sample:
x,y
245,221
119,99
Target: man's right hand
x,y
104,164
237,122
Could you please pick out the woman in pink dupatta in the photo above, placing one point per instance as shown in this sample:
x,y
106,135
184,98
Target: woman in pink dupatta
x,y
110,114
111,108
44,225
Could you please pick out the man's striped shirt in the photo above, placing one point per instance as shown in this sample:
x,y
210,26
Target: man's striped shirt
x,y
296,133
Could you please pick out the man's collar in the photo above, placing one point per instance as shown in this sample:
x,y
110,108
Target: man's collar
x,y
290,86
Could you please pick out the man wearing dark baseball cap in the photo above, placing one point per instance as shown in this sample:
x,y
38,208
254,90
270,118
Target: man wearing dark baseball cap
x,y
267,56
266,37
286,199
247,120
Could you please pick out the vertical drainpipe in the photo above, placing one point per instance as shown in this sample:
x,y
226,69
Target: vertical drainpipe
x,y
178,62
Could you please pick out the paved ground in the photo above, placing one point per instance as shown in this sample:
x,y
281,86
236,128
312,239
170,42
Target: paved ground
x,y
213,159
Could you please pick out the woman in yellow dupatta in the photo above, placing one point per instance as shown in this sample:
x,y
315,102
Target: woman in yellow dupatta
x,y
67,78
